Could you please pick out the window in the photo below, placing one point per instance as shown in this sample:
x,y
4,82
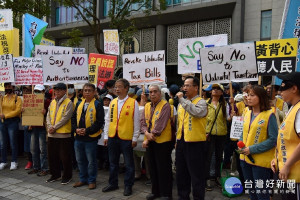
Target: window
x,y
265,27
119,4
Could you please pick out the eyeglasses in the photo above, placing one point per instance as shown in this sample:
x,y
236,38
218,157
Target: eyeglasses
x,y
216,88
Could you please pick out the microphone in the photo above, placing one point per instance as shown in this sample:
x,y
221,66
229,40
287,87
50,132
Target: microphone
x,y
241,145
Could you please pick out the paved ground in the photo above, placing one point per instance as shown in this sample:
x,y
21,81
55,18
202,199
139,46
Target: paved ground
x,y
21,186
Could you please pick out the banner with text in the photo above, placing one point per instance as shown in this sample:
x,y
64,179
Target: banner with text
x,y
111,42
6,68
6,20
41,50
236,127
78,50
9,42
28,71
69,69
33,105
188,51
144,68
104,66
234,62
276,56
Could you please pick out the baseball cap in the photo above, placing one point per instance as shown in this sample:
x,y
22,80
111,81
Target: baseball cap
x,y
288,80
208,88
218,85
61,86
39,87
109,97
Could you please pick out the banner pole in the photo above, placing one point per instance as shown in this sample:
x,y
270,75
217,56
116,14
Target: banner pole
x,y
259,80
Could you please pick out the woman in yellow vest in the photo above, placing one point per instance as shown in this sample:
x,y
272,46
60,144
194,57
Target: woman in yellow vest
x,y
287,157
259,136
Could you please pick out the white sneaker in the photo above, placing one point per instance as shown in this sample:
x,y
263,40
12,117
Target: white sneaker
x,y
13,166
2,165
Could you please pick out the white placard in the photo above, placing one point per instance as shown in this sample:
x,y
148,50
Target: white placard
x,y
111,42
6,21
236,127
42,50
28,71
235,62
6,68
144,68
188,51
78,50
69,69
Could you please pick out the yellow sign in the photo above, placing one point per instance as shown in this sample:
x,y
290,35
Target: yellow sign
x,y
93,72
47,42
1,87
9,42
277,48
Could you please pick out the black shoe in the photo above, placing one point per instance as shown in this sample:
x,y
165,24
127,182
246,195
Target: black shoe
x,y
66,181
165,198
110,188
208,186
52,179
34,171
148,183
127,191
151,196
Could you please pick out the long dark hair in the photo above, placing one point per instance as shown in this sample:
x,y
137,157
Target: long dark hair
x,y
259,91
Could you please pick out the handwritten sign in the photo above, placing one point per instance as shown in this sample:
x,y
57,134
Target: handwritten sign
x,y
69,69
233,62
104,66
236,127
188,51
6,68
276,56
33,105
144,68
28,71
42,50
111,42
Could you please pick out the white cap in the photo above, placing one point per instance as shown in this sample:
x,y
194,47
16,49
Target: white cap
x,y
109,96
238,98
39,87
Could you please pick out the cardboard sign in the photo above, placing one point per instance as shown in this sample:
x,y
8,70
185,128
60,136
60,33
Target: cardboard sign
x,y
28,71
42,50
276,56
69,69
188,51
111,42
6,68
236,127
233,62
33,105
144,68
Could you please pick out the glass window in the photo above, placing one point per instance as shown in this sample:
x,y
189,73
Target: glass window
x,y
57,17
265,28
176,2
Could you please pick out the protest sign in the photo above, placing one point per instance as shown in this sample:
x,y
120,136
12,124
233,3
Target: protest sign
x,y
93,72
68,69
229,63
276,56
28,71
236,127
144,68
188,51
2,87
33,105
6,69
6,20
111,42
41,50
47,42
9,42
78,51
104,65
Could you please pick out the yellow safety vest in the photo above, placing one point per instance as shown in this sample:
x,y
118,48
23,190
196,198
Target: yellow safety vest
x,y
287,142
256,133
66,128
166,134
193,127
124,124
220,126
279,103
240,106
90,116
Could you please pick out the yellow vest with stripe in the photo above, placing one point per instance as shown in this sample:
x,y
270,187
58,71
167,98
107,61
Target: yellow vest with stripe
x,y
66,128
287,142
90,116
193,127
256,133
124,124
220,126
166,134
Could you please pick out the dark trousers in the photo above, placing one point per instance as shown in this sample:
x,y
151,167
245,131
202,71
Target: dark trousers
x,y
117,146
60,151
216,144
190,159
161,168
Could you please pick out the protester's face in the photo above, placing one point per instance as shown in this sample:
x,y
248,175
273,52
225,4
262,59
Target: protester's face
x,y
120,89
189,88
155,94
252,99
269,90
59,93
88,93
106,102
216,91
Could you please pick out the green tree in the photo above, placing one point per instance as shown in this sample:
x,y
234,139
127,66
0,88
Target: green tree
x,y
75,38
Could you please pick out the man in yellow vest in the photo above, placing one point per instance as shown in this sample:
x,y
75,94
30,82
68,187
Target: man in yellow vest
x,y
287,156
156,125
59,135
87,121
191,139
121,131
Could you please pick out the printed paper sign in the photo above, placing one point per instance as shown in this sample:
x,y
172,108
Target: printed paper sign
x,y
144,68
28,71
93,69
236,127
276,56
188,51
6,68
69,69
233,62
42,50
6,21
111,42
78,50
33,105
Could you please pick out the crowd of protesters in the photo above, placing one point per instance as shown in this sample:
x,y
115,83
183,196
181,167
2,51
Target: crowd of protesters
x,y
135,129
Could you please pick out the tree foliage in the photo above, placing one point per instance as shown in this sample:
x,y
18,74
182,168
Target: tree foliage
x,y
75,38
